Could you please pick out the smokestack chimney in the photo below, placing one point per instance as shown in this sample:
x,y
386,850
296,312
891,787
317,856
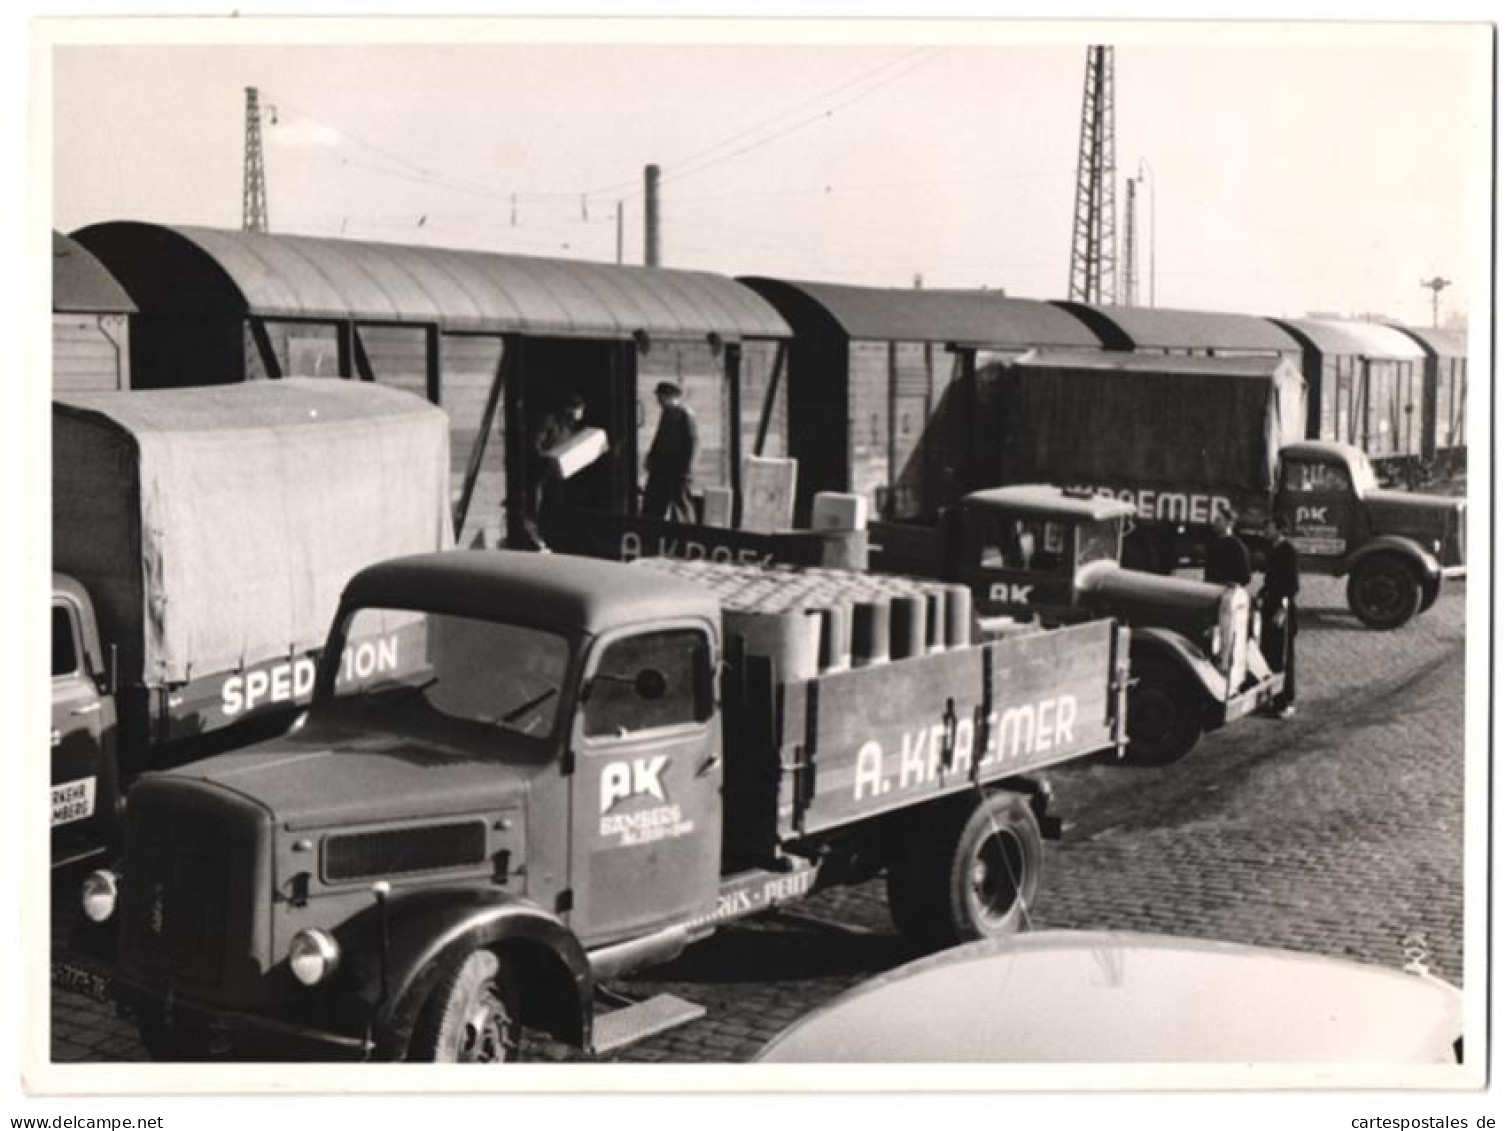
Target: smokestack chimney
x,y
651,215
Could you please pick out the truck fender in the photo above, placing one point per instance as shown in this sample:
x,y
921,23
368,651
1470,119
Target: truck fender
x,y
1182,652
427,930
1427,565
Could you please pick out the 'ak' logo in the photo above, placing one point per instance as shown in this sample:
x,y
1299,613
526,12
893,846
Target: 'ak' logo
x,y
1312,514
621,780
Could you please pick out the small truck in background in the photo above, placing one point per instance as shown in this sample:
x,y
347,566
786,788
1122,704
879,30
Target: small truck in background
x,y
201,538
1184,439
1053,555
578,768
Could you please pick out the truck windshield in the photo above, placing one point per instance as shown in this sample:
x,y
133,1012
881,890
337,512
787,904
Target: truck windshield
x,y
498,675
1097,542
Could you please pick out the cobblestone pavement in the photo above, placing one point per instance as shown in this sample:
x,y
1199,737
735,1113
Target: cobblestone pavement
x,y
1338,832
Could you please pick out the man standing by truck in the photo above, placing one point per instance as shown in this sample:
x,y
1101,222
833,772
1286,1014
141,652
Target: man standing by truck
x,y
1226,560
1278,613
670,458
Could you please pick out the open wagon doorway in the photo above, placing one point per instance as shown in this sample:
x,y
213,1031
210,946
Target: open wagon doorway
x,y
602,374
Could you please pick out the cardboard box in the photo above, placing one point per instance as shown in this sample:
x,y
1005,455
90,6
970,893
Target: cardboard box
x,y
833,510
580,451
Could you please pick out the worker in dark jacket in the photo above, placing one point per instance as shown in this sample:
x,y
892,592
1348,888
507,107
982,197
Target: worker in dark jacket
x,y
1226,561
1278,612
670,459
554,428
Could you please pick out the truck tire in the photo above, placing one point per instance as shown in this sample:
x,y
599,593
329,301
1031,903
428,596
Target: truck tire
x,y
973,877
472,1015
1431,587
1384,591
1164,720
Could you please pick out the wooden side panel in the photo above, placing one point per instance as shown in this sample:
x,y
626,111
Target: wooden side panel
x,y
90,353
396,356
468,366
872,740
303,349
868,423
757,370
911,417
697,369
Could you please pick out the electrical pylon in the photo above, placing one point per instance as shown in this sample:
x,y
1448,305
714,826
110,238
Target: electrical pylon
x,y
1093,274
254,184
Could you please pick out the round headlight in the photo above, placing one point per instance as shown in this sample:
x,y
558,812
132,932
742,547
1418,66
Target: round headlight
x,y
100,893
313,956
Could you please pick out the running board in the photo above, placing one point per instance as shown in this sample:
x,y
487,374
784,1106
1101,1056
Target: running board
x,y
633,1023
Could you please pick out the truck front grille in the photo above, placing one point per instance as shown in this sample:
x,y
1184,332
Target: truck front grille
x,y
425,848
174,904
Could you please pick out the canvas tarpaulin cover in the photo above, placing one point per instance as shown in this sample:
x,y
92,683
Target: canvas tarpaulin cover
x,y
216,527
1213,423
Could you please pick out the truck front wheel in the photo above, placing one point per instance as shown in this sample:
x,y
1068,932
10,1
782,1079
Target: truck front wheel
x,y
1384,592
472,1016
970,878
1163,717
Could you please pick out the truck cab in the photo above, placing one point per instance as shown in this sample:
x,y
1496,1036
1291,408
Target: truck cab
x,y
1396,547
539,723
1049,553
85,782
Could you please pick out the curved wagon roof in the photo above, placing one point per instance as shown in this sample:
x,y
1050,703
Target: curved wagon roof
x,y
1141,327
1364,339
908,314
81,284
320,278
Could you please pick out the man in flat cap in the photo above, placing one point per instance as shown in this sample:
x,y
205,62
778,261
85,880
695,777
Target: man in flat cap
x,y
670,458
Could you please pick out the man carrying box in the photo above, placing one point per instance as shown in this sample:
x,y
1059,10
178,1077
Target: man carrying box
x,y
555,428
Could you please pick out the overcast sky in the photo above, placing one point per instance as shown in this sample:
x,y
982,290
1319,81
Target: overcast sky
x,y
1291,171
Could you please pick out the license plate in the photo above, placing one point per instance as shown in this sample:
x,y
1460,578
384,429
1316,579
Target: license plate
x,y
83,980
72,801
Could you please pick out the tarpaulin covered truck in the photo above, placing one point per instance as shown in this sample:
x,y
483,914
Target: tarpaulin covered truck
x,y
201,538
1186,438
579,768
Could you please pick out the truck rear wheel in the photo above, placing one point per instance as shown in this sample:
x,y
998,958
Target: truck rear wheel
x,y
1163,717
1384,592
970,878
471,1017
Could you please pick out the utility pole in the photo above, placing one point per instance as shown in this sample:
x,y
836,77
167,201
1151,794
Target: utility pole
x,y
651,215
1131,266
1436,285
254,183
1093,276
619,231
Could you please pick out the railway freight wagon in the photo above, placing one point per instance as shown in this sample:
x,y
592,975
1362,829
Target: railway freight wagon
x,y
90,323
889,398
497,341
1445,380
1364,387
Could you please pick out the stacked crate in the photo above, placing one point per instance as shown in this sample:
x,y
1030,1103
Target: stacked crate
x,y
809,620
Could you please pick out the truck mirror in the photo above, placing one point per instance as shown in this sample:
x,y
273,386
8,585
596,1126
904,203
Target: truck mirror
x,y
651,684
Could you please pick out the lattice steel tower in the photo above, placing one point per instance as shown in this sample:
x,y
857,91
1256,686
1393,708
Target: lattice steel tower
x,y
1131,290
1093,275
254,184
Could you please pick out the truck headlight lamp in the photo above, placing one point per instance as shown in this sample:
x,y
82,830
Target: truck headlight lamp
x,y
100,894
313,956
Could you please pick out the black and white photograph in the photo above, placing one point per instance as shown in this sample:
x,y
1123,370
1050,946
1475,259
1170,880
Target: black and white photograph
x,y
782,555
